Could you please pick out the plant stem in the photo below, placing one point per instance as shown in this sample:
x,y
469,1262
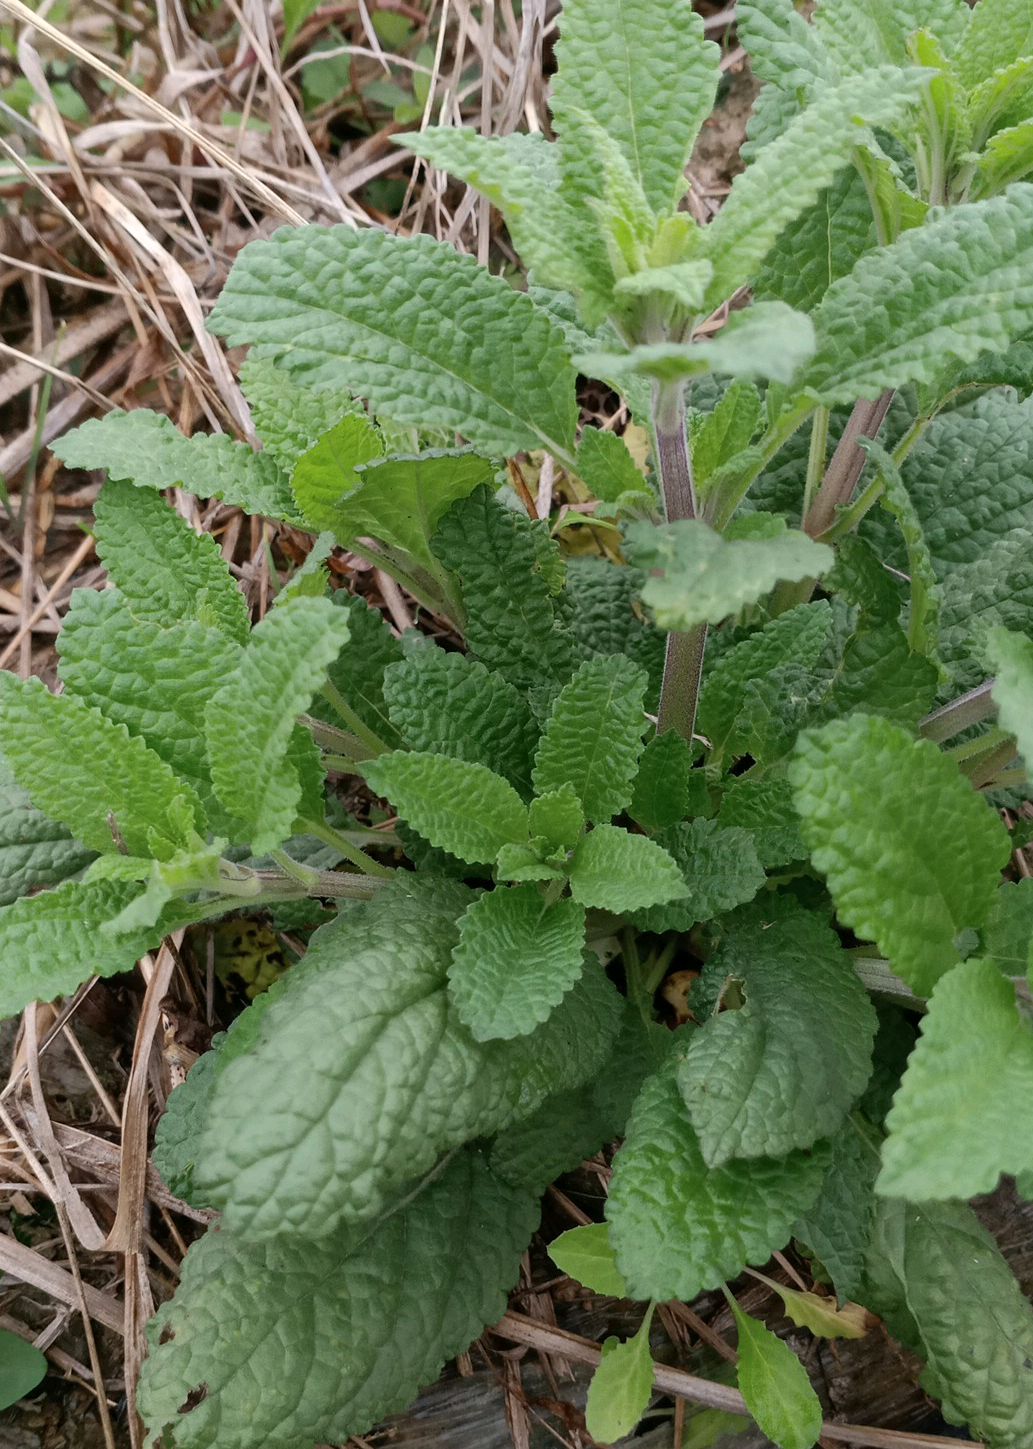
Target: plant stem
x,y
322,831
683,661
329,737
816,456
340,705
722,504
848,518
967,710
837,487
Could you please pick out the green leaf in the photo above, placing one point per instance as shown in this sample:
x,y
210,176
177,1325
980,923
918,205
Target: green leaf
x,y
516,958
784,51
372,313
974,1324
925,593
699,577
165,571
325,473
644,73
1007,157
22,1367
683,283
369,1034
993,590
48,739
607,617
764,808
820,245
458,806
586,1255
775,1385
253,749
955,287
1002,100
289,418
157,682
448,704
679,1227
721,434
359,671
876,807
608,469
948,1095
34,851
785,1068
1007,938
557,818
1012,658
148,450
662,788
593,736
791,172
719,868
499,558
462,1238
620,872
621,1387
837,1226
999,32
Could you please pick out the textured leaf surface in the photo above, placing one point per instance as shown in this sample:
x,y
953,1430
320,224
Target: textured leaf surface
x,y
786,1067
250,721
620,872
34,851
998,32
975,1325
557,818
298,1341
47,740
448,704
956,287
679,1227
147,449
427,335
994,590
498,556
663,787
948,1095
607,617
366,1074
359,670
402,500
586,1255
165,571
764,808
642,70
837,1226
704,577
820,245
1012,657
1007,938
593,736
876,806
768,340
719,868
621,1388
325,473
775,1385
289,418
458,806
516,959
607,467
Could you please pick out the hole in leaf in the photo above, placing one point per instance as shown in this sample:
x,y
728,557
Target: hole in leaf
x,y
195,1397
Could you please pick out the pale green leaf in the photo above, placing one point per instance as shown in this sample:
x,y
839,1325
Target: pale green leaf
x,y
679,1227
720,870
699,577
923,620
621,1387
311,578
948,1095
448,704
876,806
784,51
586,1255
289,418
369,1034
620,872
373,313
1011,655
643,72
999,32
252,1321
84,771
775,1385
785,1068
459,806
164,570
722,434
148,450
593,736
250,721
1008,937
325,473
557,818
1003,100
608,469
516,958
34,851
791,172
527,862
1007,157
820,1315
956,287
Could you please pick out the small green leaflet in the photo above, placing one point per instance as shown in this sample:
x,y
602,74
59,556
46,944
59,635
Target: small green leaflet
x,y
1008,937
148,450
620,872
999,31
593,736
704,577
1012,657
785,1068
516,958
606,466
720,435
964,1085
720,869
375,314
250,722
34,851
1007,157
876,806
557,818
621,1386
820,245
47,738
22,1367
925,592
325,474
820,1314
678,1227
775,1385
586,1255
663,786
164,570
289,418
460,807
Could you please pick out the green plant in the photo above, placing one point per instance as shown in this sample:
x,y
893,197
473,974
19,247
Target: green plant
x,y
815,819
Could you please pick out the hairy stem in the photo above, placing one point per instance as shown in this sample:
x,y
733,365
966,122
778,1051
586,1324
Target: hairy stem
x,y
837,487
960,714
683,661
329,737
816,456
848,518
340,842
340,706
